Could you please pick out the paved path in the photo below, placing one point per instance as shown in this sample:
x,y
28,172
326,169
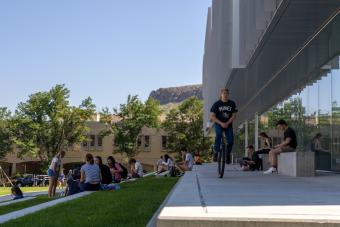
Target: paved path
x,y
249,198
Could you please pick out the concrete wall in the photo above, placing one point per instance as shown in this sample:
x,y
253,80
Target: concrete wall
x,y
76,155
234,28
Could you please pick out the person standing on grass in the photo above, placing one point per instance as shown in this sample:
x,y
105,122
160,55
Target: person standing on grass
x,y
104,170
223,113
53,172
90,176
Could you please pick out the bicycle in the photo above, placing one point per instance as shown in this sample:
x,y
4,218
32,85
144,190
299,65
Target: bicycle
x,y
221,157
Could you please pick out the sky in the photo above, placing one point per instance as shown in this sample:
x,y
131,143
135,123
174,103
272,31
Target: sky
x,y
105,49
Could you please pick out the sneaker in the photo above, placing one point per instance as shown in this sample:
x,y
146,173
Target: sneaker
x,y
270,170
215,157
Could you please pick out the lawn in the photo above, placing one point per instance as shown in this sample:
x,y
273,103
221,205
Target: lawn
x,y
7,190
133,205
21,205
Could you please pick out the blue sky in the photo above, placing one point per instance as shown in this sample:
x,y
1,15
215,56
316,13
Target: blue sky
x,y
105,49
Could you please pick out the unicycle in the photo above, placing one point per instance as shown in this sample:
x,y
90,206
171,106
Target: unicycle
x,y
221,158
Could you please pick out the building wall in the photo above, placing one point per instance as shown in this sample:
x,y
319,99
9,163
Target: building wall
x,y
148,155
234,28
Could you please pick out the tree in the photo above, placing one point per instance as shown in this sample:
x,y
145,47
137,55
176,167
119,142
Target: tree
x,y
184,127
130,119
6,139
47,123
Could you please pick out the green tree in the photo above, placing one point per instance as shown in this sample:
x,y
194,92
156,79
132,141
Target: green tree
x,y
184,127
6,139
47,123
129,121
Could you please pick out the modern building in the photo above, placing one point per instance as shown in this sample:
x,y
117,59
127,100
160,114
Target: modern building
x,y
279,58
152,143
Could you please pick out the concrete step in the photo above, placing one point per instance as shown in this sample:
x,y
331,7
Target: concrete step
x,y
251,199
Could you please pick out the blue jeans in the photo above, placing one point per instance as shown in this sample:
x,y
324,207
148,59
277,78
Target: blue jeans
x,y
228,132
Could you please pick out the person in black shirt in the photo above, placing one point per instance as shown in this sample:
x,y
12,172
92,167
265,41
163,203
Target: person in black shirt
x,y
289,144
104,170
252,162
223,113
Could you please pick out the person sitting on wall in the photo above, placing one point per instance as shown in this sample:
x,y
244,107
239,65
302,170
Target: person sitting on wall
x,y
267,141
252,162
289,144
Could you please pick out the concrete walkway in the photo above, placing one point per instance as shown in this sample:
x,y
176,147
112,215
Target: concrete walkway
x,y
252,199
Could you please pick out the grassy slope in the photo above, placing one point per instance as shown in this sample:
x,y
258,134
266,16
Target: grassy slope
x,y
133,205
7,190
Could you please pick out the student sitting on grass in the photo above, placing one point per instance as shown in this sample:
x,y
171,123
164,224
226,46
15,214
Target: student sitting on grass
x,y
104,170
16,192
188,161
90,176
159,165
252,162
72,186
168,165
115,169
136,168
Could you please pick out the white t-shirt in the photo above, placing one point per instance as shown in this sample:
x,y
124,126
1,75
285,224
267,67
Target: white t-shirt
x,y
57,162
159,162
92,173
139,168
189,160
169,163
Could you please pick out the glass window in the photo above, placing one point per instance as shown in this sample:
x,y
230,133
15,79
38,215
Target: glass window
x,y
146,141
100,140
139,141
85,143
335,105
164,142
92,140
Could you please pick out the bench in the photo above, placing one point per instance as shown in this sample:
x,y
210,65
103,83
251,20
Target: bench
x,y
265,161
297,164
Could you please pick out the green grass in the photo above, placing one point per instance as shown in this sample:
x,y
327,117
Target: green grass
x,y
7,190
133,205
24,204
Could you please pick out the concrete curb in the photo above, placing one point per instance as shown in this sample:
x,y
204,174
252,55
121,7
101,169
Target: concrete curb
x,y
20,213
153,221
16,201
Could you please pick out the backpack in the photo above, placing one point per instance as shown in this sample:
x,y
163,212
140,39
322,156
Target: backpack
x,y
125,171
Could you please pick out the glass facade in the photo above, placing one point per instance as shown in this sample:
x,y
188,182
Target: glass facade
x,y
314,114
